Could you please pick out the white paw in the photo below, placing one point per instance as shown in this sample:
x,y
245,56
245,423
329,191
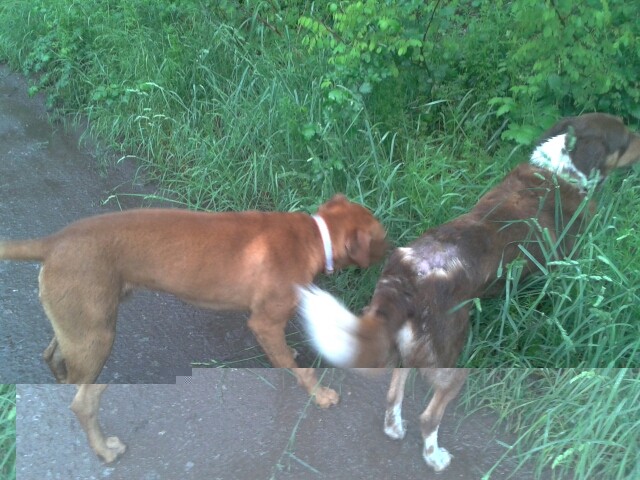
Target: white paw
x,y
394,426
395,431
112,450
437,458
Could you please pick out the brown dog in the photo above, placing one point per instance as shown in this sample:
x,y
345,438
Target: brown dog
x,y
420,308
446,383
249,261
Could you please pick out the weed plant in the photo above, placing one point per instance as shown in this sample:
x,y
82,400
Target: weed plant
x,y
7,432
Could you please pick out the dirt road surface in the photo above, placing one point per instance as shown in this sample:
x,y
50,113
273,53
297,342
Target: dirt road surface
x,y
250,424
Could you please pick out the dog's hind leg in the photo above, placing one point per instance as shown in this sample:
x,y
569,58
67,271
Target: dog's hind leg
x,y
447,382
394,426
83,314
55,360
80,347
86,405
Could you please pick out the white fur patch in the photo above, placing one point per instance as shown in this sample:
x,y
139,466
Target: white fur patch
x,y
552,155
439,263
436,457
452,265
407,254
331,327
394,426
405,339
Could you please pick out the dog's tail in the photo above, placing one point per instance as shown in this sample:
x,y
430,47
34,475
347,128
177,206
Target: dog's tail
x,y
33,250
342,338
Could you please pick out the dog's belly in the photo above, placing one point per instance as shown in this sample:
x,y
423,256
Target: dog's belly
x,y
214,297
218,304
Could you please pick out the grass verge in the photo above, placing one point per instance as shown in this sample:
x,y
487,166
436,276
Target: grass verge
x,y
7,432
574,423
565,423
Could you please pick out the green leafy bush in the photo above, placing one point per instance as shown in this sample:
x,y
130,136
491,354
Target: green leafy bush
x,y
396,58
569,57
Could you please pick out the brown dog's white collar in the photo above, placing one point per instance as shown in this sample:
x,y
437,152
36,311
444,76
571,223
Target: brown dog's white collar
x,y
326,242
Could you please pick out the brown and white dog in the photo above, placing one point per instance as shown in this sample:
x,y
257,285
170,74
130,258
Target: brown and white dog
x,y
420,308
244,261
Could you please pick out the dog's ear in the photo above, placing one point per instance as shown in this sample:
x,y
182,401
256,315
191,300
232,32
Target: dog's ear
x,y
359,248
338,198
590,153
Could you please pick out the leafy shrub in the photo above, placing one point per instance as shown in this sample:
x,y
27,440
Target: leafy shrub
x,y
570,57
396,58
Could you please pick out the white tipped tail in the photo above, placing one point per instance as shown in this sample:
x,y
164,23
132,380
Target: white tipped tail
x,y
333,329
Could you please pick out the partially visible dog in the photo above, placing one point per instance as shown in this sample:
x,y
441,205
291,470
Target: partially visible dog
x,y
248,260
446,383
419,312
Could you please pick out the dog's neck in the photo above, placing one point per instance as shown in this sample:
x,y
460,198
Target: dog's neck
x,y
326,242
553,155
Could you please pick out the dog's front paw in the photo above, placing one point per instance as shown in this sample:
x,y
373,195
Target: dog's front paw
x,y
437,458
114,448
394,426
325,397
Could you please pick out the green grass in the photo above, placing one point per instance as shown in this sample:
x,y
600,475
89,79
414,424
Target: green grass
x,y
7,432
574,423
582,310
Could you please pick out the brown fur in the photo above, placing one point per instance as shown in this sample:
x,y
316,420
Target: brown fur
x,y
249,261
